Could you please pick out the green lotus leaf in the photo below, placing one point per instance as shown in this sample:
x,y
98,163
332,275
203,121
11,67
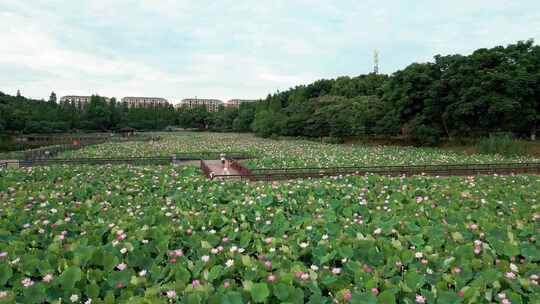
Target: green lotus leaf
x,y
35,294
5,273
259,292
70,277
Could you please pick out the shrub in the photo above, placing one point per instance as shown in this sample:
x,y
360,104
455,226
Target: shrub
x,y
425,135
503,145
333,140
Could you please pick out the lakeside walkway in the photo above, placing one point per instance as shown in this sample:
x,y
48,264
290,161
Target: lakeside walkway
x,y
217,168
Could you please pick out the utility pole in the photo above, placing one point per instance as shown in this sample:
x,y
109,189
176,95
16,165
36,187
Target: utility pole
x,y
376,63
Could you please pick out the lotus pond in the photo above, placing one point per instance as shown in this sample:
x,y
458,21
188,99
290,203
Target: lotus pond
x,y
286,153
121,234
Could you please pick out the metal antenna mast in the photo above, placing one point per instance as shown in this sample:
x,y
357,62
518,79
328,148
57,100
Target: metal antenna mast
x,y
376,63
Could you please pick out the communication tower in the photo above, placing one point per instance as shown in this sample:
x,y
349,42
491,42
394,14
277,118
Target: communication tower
x,y
376,63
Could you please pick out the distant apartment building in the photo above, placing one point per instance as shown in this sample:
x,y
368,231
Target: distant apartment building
x,y
144,102
212,105
235,103
80,102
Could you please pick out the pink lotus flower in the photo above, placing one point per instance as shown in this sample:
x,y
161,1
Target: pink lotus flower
x,y
196,283
3,254
48,278
420,299
27,282
304,276
366,268
121,266
375,291
226,284
510,275
171,294
177,253
268,264
271,278
205,258
347,296
336,270
506,301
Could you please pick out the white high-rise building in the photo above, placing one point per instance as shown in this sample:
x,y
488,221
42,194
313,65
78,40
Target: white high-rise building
x,y
235,103
143,102
212,105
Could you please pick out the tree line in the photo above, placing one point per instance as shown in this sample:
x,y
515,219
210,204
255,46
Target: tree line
x,y
494,90
21,114
456,96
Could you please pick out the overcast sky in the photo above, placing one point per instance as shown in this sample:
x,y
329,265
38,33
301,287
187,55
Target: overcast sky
x,y
234,48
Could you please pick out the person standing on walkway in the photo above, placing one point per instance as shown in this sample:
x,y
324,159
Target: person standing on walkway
x,y
223,159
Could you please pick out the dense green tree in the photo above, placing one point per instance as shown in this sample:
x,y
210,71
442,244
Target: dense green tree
x,y
264,123
19,114
196,118
246,114
97,114
223,119
52,98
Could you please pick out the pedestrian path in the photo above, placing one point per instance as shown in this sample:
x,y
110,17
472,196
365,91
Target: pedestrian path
x,y
9,163
217,168
238,172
